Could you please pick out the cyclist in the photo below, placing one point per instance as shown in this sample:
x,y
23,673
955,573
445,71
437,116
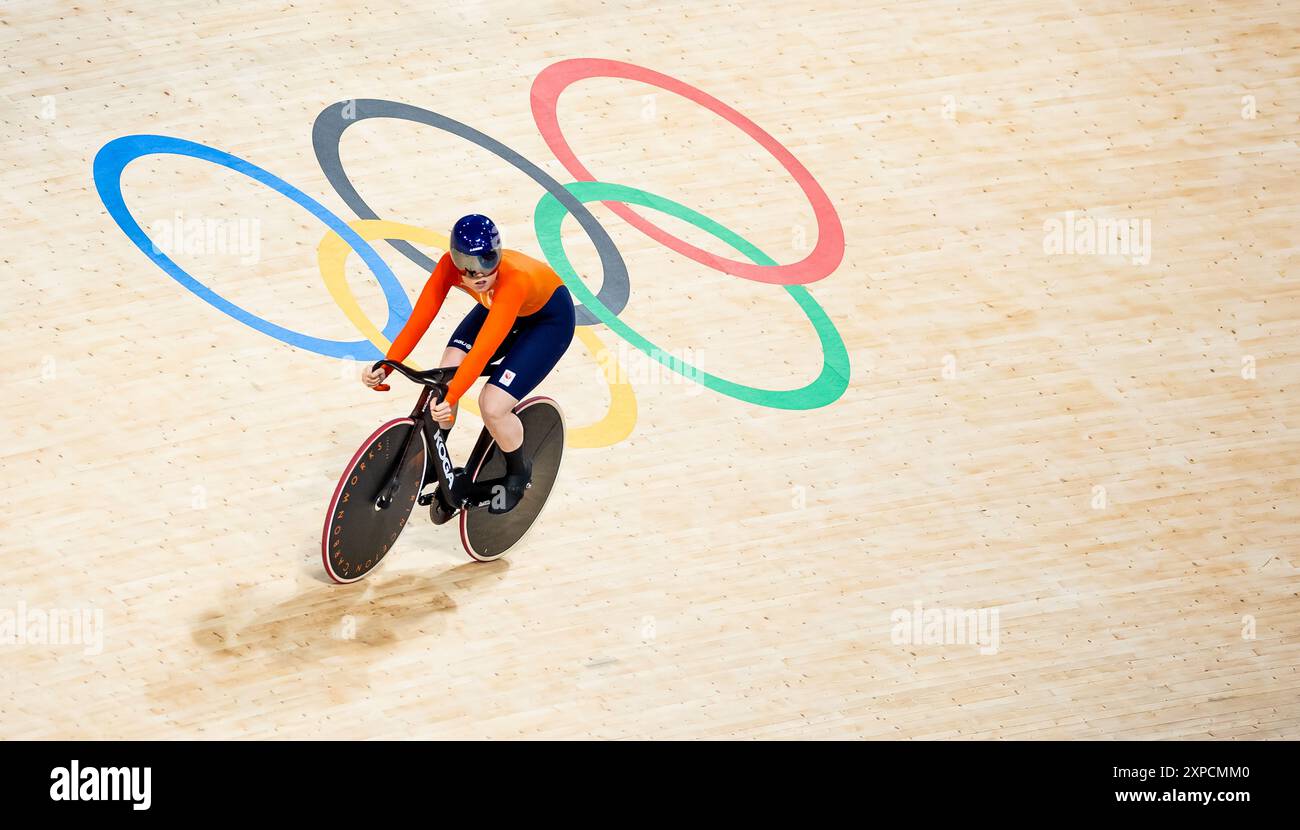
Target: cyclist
x,y
522,324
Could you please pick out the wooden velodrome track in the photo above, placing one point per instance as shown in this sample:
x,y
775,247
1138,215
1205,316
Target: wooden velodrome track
x,y
1103,452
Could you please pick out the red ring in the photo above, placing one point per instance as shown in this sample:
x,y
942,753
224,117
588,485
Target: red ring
x,y
825,256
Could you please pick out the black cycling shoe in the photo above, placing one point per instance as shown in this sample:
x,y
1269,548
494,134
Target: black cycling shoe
x,y
514,484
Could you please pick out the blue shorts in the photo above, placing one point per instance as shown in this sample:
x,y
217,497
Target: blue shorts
x,y
531,349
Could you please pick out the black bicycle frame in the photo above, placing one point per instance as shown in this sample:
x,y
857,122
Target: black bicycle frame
x,y
435,383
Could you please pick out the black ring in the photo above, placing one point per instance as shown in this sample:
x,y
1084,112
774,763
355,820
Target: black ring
x,y
327,132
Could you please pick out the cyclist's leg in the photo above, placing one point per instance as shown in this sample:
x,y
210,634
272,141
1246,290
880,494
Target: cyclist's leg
x,y
462,340
542,340
452,356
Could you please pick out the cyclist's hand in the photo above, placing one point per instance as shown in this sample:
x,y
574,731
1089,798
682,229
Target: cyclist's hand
x,y
373,377
442,413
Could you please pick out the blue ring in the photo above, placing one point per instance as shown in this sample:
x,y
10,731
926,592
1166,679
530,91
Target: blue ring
x,y
113,158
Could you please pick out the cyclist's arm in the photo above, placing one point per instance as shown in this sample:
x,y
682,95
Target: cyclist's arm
x,y
426,308
501,318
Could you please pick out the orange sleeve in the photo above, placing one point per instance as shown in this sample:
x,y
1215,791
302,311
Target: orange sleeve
x,y
501,318
426,308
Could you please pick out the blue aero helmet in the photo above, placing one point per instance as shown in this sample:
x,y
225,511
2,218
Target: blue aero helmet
x,y
475,245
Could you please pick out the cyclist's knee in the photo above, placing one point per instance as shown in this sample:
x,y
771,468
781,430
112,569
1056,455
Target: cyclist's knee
x,y
494,404
452,356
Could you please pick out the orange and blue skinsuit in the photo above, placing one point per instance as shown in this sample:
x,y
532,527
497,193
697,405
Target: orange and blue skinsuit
x,y
525,320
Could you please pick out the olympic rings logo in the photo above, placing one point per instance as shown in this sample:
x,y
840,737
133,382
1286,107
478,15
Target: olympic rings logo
x,y
603,306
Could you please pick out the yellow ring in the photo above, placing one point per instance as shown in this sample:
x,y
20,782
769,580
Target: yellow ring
x,y
331,257
621,417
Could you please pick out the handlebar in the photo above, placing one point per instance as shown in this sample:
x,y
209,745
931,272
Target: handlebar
x,y
432,378
435,379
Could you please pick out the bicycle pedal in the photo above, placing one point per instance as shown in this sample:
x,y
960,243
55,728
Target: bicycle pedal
x,y
426,494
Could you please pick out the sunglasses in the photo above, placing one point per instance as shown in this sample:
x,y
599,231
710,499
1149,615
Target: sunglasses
x,y
473,267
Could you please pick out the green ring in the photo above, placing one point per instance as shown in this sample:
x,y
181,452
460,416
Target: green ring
x,y
826,389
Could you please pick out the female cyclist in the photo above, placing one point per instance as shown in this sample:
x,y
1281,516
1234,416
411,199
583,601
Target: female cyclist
x,y
522,324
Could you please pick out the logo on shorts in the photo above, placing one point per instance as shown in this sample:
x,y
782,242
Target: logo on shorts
x,y
506,377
